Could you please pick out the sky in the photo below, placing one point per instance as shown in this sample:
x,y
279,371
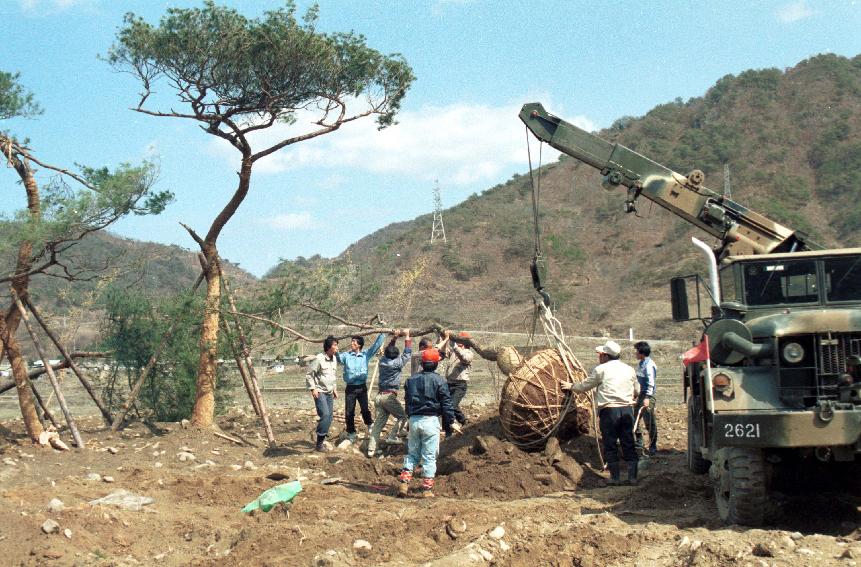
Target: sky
x,y
476,63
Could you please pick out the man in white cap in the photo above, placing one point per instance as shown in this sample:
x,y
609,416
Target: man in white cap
x,y
616,394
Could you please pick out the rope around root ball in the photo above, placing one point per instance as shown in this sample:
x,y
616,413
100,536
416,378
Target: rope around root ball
x,y
533,403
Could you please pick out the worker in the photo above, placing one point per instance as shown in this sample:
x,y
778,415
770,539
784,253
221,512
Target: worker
x,y
457,377
427,399
647,376
416,360
355,364
616,393
322,381
386,402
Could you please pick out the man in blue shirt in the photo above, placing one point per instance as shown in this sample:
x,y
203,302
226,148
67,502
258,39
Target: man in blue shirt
x,y
355,364
647,376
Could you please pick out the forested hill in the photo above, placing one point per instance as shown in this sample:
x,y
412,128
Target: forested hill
x,y
103,260
791,140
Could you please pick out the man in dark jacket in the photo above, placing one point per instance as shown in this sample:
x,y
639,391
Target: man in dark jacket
x,y
427,398
386,402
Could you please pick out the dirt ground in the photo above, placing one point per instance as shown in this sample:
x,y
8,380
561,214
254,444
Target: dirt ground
x,y
495,504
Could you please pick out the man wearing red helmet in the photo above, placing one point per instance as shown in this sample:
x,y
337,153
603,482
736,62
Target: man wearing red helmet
x,y
426,400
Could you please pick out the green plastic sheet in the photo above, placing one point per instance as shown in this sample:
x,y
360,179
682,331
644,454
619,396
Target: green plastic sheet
x,y
269,498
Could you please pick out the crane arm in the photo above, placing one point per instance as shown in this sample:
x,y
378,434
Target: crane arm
x,y
740,230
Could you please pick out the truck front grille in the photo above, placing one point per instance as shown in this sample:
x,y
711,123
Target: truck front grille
x,y
832,350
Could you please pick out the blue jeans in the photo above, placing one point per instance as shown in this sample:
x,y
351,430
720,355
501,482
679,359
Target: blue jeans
x,y
423,443
648,419
324,404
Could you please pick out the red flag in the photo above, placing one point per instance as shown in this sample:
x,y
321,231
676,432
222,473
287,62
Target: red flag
x,y
699,353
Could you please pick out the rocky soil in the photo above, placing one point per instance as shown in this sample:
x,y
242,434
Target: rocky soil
x,y
495,504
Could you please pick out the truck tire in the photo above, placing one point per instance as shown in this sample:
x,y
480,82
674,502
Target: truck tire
x,y
739,479
696,463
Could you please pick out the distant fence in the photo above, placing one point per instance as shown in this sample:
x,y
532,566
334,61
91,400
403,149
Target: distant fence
x,y
288,388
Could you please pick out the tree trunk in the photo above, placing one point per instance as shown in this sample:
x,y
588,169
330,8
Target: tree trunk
x,y
21,285
204,404
22,383
203,413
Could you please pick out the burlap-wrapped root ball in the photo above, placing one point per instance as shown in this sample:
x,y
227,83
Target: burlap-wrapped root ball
x,y
508,359
533,402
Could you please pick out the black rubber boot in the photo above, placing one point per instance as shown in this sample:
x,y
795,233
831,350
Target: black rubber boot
x,y
615,475
632,473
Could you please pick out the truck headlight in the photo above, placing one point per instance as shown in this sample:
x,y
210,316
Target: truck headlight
x,y
722,383
793,353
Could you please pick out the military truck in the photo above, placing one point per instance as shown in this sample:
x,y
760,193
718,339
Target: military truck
x,y
776,376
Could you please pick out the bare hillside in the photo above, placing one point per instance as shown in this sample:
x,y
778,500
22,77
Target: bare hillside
x,y
791,140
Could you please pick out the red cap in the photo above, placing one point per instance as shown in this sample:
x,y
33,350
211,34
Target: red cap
x,y
430,355
465,335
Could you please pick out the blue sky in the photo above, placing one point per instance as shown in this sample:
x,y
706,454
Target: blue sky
x,y
476,62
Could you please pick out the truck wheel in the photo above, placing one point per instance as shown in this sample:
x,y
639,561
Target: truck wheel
x,y
696,463
739,479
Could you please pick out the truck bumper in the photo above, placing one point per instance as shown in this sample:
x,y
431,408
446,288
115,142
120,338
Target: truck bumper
x,y
786,429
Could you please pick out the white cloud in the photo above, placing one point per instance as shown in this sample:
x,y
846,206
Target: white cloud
x,y
333,181
52,6
458,144
794,11
289,221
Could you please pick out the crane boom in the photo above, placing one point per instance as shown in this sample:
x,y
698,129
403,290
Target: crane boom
x,y
740,230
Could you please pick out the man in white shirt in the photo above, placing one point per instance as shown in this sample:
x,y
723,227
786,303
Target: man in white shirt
x,y
615,396
322,382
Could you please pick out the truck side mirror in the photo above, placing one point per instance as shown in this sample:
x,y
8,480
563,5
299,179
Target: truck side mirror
x,y
679,299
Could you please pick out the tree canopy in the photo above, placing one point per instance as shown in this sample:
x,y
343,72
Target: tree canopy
x,y
239,75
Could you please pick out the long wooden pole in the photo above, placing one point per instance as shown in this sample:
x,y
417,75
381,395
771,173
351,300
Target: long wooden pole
x,y
51,376
7,385
46,413
121,415
252,375
84,382
240,365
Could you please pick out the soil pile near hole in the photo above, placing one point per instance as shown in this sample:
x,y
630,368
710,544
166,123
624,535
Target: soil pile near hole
x,y
480,462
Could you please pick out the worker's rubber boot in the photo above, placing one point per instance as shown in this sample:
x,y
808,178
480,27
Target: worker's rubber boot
x,y
615,474
404,489
427,488
632,473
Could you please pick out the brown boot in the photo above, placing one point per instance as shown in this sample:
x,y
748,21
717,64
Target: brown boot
x,y
405,477
427,488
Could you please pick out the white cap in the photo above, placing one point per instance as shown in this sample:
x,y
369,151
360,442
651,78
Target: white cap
x,y
610,347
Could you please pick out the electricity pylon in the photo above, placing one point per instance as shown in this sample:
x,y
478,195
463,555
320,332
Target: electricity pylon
x,y
438,229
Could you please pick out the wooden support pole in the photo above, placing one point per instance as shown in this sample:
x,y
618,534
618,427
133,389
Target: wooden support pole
x,y
7,385
46,413
240,365
84,382
270,436
121,415
51,376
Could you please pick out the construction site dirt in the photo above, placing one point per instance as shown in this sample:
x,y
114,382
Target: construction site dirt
x,y
495,504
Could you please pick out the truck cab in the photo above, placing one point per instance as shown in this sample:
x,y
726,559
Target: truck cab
x,y
783,378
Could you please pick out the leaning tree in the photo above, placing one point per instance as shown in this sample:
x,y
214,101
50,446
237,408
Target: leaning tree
x,y
69,206
236,76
